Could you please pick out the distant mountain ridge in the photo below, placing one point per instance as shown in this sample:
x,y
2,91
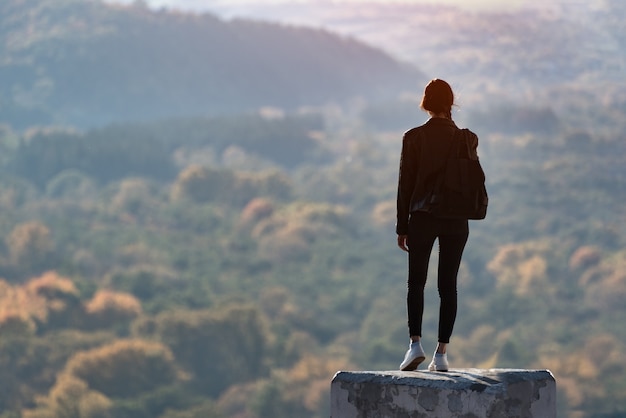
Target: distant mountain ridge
x,y
555,49
87,63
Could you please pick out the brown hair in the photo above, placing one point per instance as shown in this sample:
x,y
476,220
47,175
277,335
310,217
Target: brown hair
x,y
438,97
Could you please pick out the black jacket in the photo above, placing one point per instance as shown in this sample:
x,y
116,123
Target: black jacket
x,y
424,153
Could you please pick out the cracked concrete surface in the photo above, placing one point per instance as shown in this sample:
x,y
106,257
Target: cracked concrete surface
x,y
463,393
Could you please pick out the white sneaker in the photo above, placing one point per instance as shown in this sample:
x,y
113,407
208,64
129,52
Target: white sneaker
x,y
439,363
413,357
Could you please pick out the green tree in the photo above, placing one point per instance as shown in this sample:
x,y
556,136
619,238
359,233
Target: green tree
x,y
124,368
108,308
31,247
70,397
218,347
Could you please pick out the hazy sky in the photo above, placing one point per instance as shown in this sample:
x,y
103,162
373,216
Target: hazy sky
x,y
470,4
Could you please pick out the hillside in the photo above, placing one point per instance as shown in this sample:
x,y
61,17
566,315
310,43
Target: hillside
x,y
553,53
86,63
195,248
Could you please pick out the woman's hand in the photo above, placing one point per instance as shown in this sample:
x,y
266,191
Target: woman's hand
x,y
403,241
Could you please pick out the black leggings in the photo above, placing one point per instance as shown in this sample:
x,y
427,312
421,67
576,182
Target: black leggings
x,y
452,235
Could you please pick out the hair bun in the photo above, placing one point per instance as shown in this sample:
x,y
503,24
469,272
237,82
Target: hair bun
x,y
438,97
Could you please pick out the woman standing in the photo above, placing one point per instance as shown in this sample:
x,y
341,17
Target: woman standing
x,y
424,153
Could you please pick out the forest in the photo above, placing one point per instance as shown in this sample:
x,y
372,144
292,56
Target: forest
x,y
86,63
227,265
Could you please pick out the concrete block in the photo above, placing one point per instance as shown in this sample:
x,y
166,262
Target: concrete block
x,y
463,393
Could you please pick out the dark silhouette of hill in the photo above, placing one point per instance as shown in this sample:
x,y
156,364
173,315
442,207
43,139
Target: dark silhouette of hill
x,y
87,63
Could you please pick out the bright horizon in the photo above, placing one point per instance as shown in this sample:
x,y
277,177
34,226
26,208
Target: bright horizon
x,y
465,4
